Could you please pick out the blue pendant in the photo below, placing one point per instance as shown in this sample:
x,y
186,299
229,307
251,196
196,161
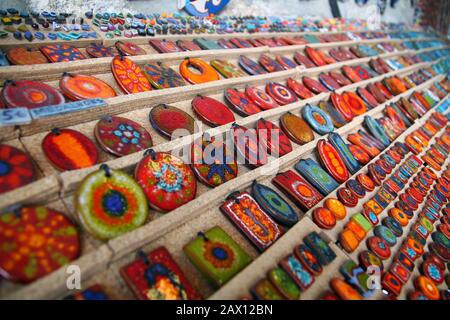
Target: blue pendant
x,y
315,175
318,120
341,147
376,130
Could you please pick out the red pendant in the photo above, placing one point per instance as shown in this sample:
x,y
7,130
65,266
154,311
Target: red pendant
x,y
299,89
162,76
30,94
379,247
211,111
340,78
367,97
341,105
332,161
81,87
16,168
314,85
68,149
169,120
241,103
347,197
129,76
248,146
280,93
166,180
121,136
303,61
269,64
129,49
357,106
315,57
351,74
24,56
35,242
275,140
324,218
260,98
166,46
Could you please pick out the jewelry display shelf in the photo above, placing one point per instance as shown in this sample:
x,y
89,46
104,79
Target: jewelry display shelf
x,y
241,283
98,257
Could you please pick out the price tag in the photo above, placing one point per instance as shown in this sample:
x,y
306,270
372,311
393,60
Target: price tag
x,y
15,116
48,111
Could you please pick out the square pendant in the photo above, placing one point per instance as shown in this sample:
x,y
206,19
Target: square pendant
x,y
217,256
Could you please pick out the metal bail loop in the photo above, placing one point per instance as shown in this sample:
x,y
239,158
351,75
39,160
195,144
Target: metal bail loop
x,y
151,153
201,234
107,170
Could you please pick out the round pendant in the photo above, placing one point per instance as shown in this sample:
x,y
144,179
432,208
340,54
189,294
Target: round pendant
x,y
162,77
432,271
226,69
328,82
366,182
314,85
269,64
274,204
340,78
110,203
250,66
263,100
394,225
314,57
296,128
384,166
336,207
362,73
317,119
169,120
299,89
386,234
347,197
24,56
308,259
357,106
100,51
61,53
427,287
68,149
332,161
324,218
351,74
248,148
435,260
212,112
303,61
81,87
34,242
379,247
129,49
120,136
241,103
129,76
30,94
275,140
367,259
280,93
168,183
203,71
285,62
356,187
342,106
16,168
212,162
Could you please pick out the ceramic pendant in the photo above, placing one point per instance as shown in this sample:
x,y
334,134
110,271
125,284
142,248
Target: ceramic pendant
x,y
356,188
129,49
340,78
263,100
212,162
351,74
167,181
314,85
245,212
364,144
432,271
332,161
296,128
129,76
315,57
315,175
100,51
323,252
303,61
241,43
359,154
348,240
249,149
391,284
366,182
284,284
273,138
318,120
285,62
16,168
298,189
427,287
269,64
367,258
207,44
328,82
33,230
204,72
211,111
281,94
265,290
344,290
273,204
338,143
356,276
110,203
68,149
156,276
386,234
61,53
81,87
298,273
217,256
171,122
250,66
121,136
24,56
324,218
336,207
342,106
347,197
162,77
226,69
362,73
355,103
308,259
187,45
376,130
379,247
299,89
241,103
30,94
393,225
336,117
